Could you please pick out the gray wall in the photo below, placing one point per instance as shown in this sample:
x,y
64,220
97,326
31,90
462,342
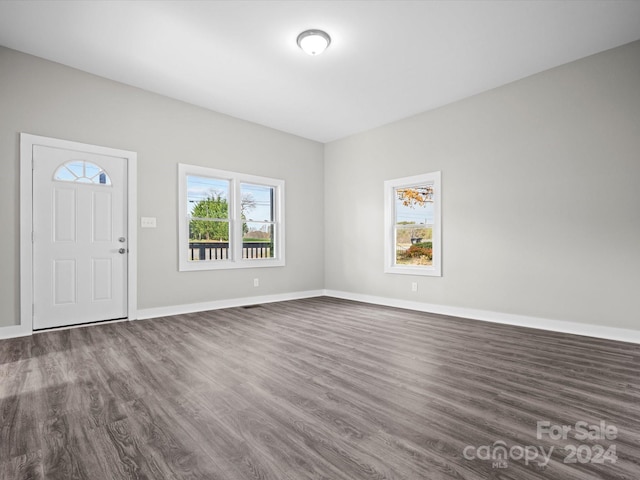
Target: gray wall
x,y
541,196
44,98
541,179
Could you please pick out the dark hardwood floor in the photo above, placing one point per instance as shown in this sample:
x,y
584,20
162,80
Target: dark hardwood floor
x,y
315,389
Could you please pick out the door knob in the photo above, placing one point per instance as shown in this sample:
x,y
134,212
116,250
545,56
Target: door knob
x,y
122,239
122,251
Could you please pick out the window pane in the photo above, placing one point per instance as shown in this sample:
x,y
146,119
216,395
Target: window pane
x,y
208,240
414,216
91,170
257,202
207,197
414,245
81,171
414,205
257,240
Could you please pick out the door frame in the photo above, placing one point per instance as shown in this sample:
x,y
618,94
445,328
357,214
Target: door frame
x,y
27,142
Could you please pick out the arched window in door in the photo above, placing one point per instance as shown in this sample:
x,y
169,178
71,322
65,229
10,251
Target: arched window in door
x,y
81,171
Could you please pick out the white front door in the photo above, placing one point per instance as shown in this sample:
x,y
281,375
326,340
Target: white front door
x,y
79,237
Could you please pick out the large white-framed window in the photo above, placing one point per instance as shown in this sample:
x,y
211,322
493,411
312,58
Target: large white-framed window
x,y
413,233
229,220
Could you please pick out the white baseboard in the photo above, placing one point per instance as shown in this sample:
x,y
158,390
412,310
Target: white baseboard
x,y
218,304
575,328
15,331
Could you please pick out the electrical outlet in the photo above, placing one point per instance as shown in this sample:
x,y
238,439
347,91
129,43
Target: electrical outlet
x,y
256,282
414,286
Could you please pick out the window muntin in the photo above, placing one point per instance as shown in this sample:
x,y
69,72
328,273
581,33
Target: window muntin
x,y
229,220
81,171
412,223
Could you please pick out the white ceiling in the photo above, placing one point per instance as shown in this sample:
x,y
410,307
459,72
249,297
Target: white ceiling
x,y
388,59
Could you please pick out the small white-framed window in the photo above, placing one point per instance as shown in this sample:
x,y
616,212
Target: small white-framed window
x,y
229,220
81,171
413,234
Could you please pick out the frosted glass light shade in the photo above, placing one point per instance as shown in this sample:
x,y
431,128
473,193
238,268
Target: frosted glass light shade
x,y
314,42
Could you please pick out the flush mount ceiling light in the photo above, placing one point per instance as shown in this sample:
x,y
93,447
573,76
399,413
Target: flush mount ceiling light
x,y
314,42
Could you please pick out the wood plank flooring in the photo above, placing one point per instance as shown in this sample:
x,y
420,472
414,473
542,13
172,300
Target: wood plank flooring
x,y
313,389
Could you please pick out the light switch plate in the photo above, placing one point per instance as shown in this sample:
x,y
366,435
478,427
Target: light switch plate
x,y
148,222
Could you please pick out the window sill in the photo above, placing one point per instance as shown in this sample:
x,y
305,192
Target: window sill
x,y
229,264
433,271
